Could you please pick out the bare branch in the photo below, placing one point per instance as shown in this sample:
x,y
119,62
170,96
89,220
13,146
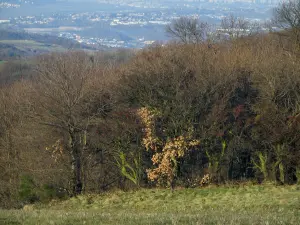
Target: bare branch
x,y
188,30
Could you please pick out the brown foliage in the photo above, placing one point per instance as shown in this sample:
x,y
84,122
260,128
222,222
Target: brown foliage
x,y
239,99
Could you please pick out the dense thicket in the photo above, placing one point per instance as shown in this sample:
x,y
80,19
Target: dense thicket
x,y
177,115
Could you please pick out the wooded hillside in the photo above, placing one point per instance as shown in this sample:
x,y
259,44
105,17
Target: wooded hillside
x,y
177,115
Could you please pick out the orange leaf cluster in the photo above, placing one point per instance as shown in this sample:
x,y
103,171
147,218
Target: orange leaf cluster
x,y
56,149
166,154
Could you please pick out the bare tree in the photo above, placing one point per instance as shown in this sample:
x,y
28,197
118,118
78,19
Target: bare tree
x,y
9,118
236,27
70,98
287,16
188,30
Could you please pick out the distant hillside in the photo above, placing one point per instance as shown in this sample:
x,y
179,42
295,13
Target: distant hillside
x,y
15,44
9,51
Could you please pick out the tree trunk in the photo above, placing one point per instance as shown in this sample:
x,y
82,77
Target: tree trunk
x,y
75,149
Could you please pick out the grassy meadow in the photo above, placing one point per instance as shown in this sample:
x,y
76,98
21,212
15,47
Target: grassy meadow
x,y
213,205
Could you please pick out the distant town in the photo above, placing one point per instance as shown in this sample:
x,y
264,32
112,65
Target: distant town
x,y
129,24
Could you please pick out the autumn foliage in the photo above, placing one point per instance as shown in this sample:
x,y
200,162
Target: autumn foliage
x,y
176,115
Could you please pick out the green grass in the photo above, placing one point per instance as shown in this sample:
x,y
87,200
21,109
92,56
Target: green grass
x,y
215,205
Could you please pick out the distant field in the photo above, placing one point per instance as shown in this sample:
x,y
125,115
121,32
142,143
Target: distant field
x,y
215,205
47,30
25,45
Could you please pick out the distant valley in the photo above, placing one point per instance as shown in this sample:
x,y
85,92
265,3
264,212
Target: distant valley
x,y
123,24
